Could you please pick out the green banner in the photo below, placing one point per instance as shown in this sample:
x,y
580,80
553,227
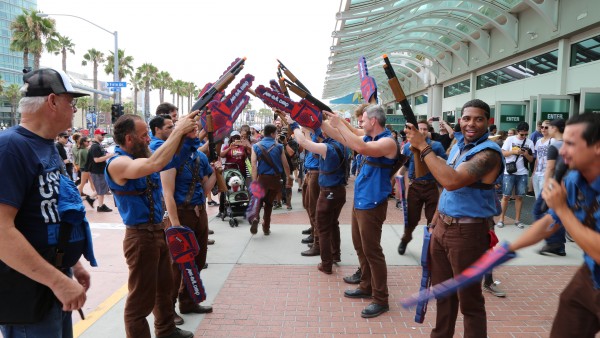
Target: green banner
x,y
511,118
555,116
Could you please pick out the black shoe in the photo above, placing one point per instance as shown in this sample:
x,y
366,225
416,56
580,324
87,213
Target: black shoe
x,y
314,251
205,266
177,319
90,201
374,310
299,189
356,293
276,205
307,231
552,250
197,309
213,203
355,278
254,226
103,208
210,242
211,232
308,239
402,248
179,333
220,215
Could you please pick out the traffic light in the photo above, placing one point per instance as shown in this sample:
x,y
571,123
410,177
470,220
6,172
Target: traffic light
x,y
116,110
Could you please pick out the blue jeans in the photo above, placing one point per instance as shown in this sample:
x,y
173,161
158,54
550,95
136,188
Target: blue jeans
x,y
56,324
557,238
518,182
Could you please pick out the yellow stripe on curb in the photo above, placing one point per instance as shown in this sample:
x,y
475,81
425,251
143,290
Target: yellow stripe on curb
x,y
103,308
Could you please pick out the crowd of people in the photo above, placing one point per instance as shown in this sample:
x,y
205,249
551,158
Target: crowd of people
x,y
160,176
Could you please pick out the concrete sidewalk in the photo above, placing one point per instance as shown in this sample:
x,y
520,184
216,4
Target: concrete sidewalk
x,y
260,286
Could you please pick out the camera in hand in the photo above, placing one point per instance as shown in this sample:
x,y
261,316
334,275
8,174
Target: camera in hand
x,y
282,138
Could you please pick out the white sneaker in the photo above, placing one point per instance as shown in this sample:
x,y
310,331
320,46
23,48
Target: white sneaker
x,y
500,224
519,225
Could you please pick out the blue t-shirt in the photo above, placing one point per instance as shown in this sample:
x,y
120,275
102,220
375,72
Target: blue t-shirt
x,y
184,178
437,148
30,178
580,197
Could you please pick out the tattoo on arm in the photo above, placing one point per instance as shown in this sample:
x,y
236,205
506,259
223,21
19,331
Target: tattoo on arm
x,y
482,163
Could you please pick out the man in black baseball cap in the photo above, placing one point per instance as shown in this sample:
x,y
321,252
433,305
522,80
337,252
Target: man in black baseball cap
x,y
30,167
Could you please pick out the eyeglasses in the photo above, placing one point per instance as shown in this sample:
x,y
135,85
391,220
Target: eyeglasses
x,y
545,127
522,135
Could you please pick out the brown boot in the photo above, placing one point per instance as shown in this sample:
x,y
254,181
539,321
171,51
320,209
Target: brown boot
x,y
314,251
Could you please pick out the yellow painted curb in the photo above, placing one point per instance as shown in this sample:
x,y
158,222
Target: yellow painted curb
x,y
103,308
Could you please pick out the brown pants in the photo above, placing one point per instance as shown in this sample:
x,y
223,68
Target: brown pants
x,y
329,206
420,193
578,312
453,248
199,224
150,283
272,185
366,237
310,195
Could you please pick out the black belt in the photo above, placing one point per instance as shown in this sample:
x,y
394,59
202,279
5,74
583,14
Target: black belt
x,y
147,226
462,220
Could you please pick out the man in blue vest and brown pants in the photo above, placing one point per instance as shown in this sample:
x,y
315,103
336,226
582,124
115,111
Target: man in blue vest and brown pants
x,y
269,161
466,208
371,190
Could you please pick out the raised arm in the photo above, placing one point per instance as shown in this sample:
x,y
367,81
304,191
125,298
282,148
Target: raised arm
x,y
303,141
125,168
167,180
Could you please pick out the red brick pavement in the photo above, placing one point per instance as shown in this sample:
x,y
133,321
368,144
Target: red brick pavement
x,y
293,301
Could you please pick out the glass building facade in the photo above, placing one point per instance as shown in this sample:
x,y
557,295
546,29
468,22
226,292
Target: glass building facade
x,y
11,63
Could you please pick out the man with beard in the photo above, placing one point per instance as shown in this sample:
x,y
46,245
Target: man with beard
x,y
132,176
466,208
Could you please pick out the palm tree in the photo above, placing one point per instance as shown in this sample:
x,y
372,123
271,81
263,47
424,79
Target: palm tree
x,y
125,65
190,90
96,57
28,32
129,108
163,80
178,89
136,83
148,74
62,46
83,104
13,94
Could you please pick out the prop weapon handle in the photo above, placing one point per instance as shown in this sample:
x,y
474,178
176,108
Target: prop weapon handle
x,y
420,166
306,95
212,152
291,76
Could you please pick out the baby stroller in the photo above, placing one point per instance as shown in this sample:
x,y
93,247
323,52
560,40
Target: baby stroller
x,y
237,197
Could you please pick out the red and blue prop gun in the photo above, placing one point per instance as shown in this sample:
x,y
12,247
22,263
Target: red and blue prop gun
x,y
257,193
226,111
472,274
184,248
368,87
304,112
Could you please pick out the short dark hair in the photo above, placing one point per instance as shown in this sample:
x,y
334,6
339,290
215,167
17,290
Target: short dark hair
x,y
158,122
523,126
591,134
559,124
269,130
476,103
124,126
165,108
492,127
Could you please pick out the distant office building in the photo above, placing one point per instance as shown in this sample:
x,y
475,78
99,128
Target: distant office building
x,y
11,63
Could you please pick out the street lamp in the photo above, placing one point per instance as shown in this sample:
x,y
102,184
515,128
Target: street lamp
x,y
116,56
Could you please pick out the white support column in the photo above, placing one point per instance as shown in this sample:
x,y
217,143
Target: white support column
x,y
564,52
436,97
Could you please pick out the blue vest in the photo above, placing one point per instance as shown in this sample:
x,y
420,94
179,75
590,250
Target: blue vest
x,y
467,201
332,169
581,196
185,175
263,167
135,209
373,185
